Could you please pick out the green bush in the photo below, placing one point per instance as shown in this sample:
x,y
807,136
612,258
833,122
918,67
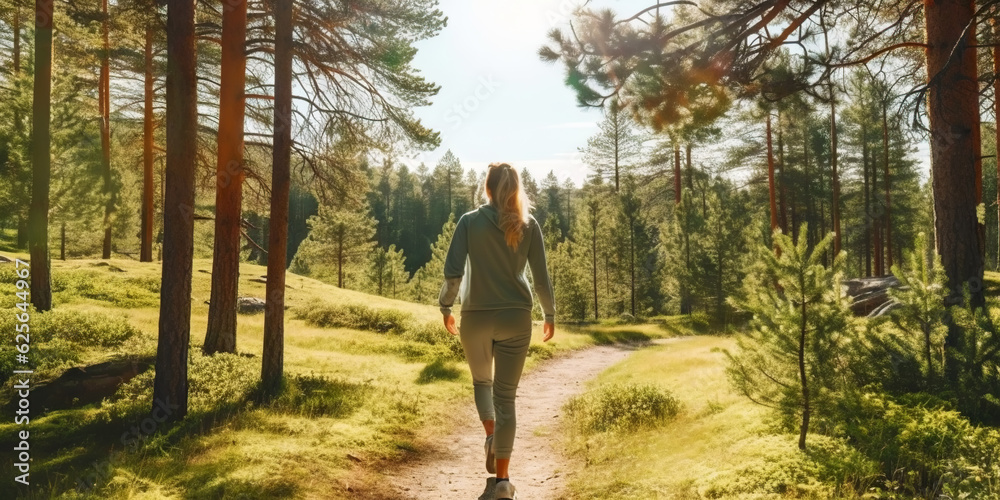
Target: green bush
x,y
925,447
829,468
432,332
215,382
540,351
319,395
60,337
86,329
122,292
353,316
622,408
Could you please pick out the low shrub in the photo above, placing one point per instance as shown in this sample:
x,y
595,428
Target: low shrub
x,y
540,351
215,382
622,408
829,468
925,447
60,337
319,395
354,316
120,291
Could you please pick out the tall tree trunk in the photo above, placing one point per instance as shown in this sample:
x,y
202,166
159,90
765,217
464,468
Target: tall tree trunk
x,y
996,119
888,194
771,191
689,169
810,199
835,205
953,108
16,63
274,312
867,197
41,161
782,200
631,263
148,191
62,241
806,406
617,141
677,173
105,104
170,387
594,210
221,332
22,223
977,150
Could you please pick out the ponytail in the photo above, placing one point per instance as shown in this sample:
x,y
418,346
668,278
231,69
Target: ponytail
x,y
507,194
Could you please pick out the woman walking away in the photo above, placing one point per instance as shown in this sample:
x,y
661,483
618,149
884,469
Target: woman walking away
x,y
486,266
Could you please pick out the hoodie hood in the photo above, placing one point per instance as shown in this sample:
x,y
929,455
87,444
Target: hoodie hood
x,y
491,213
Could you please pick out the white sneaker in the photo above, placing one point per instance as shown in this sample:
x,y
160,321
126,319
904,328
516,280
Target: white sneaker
x,y
491,460
505,491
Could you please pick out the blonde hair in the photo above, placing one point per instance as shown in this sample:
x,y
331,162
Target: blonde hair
x,y
503,186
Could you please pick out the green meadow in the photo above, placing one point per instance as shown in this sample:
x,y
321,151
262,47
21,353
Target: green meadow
x,y
367,378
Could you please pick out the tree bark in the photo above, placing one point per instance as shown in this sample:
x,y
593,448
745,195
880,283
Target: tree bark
x,y
771,191
806,408
888,194
835,206
170,387
977,150
782,200
867,197
953,108
594,210
221,333
148,192
677,173
689,169
631,262
41,139
274,312
18,122
104,89
996,119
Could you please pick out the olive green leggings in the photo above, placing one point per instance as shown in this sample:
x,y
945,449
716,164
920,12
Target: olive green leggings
x,y
502,335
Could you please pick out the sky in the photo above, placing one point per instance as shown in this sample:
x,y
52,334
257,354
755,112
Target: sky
x,y
498,100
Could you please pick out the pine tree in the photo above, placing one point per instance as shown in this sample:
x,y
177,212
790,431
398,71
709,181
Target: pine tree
x,y
338,240
385,274
788,359
428,279
921,311
723,246
613,152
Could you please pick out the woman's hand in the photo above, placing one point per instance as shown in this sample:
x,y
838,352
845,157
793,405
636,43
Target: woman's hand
x,y
449,324
549,329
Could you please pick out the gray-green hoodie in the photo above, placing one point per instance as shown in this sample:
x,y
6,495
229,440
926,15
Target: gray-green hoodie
x,y
487,273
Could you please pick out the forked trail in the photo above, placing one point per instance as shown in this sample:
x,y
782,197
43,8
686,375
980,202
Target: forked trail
x,y
454,468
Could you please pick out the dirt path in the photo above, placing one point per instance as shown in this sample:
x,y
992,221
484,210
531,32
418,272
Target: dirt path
x,y
455,469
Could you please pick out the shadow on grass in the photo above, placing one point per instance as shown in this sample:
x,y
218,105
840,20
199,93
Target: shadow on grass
x,y
438,369
618,336
78,450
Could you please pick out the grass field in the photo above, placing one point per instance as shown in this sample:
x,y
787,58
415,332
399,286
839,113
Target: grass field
x,y
362,398
720,445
